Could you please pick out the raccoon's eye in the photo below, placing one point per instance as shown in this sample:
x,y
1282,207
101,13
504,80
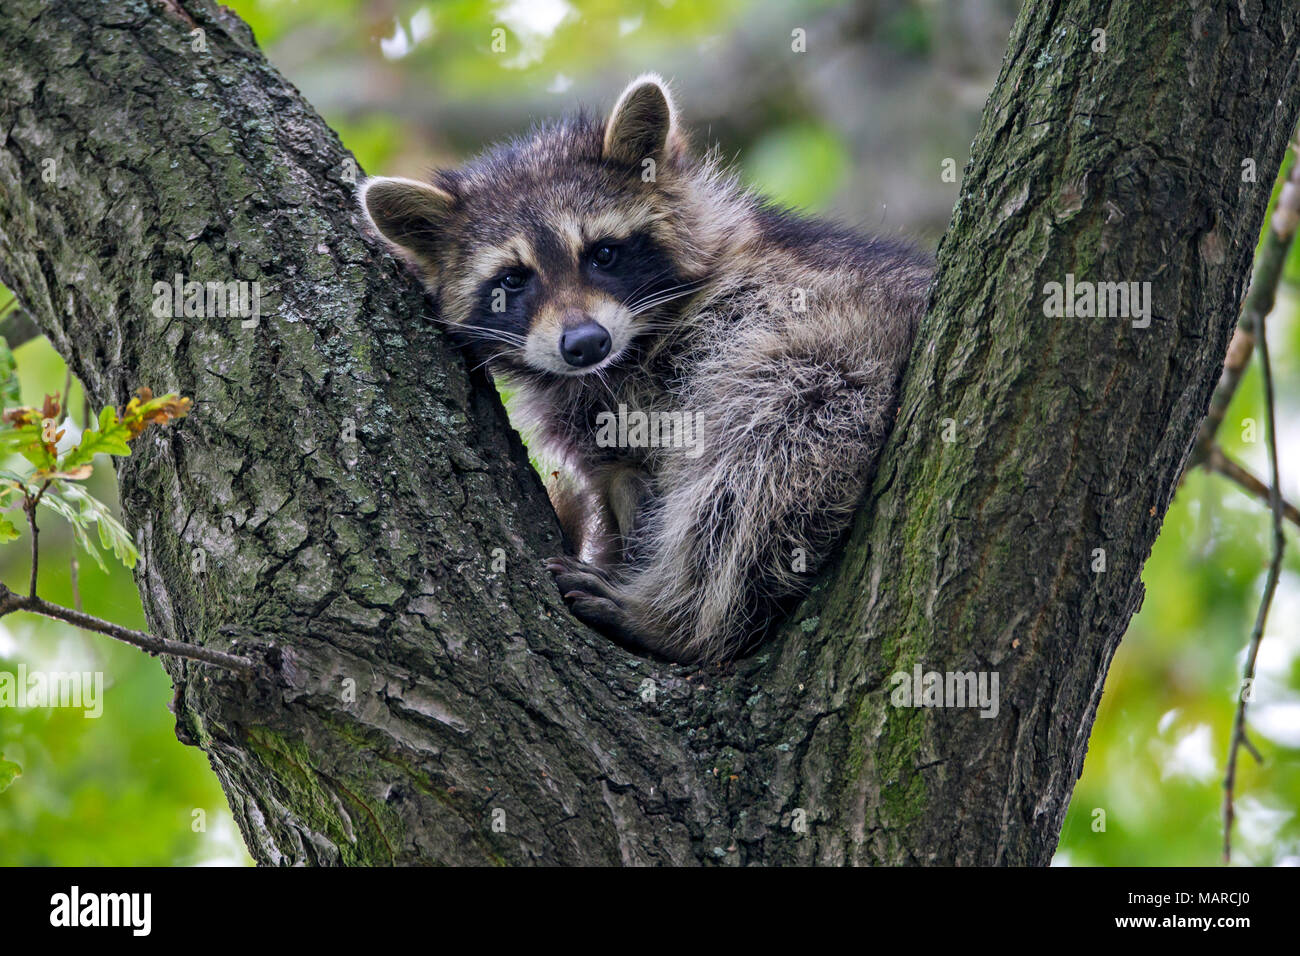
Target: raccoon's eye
x,y
603,256
514,280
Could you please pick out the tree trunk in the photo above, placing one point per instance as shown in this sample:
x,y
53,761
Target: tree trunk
x,y
349,505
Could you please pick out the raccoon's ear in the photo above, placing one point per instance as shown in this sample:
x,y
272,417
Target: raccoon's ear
x,y
410,215
643,123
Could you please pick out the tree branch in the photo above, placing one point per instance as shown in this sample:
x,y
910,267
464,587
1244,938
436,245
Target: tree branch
x,y
30,508
1219,462
1270,586
11,601
1269,266
16,325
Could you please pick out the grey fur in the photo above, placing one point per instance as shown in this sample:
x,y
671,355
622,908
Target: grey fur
x,y
786,336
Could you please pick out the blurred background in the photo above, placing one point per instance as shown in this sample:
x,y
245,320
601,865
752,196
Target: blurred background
x,y
854,109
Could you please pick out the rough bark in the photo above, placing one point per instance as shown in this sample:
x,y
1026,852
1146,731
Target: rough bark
x,y
406,565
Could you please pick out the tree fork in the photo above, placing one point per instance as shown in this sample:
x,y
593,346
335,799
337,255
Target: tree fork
x,y
346,488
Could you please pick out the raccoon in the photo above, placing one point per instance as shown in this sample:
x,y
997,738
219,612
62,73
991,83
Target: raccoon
x,y
613,277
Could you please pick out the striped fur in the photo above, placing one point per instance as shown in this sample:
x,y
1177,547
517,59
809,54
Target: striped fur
x,y
784,337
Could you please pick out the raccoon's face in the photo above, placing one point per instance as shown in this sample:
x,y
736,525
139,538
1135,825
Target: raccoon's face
x,y
555,255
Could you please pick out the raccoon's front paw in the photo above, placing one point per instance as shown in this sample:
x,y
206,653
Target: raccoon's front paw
x,y
578,580
593,598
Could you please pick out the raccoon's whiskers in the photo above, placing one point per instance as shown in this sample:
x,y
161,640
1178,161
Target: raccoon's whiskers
x,y
666,296
603,378
648,283
499,335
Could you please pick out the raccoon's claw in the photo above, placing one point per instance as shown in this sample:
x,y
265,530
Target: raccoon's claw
x,y
574,575
600,613
592,599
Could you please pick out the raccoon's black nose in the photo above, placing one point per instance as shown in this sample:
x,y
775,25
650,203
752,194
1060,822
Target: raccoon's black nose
x,y
585,345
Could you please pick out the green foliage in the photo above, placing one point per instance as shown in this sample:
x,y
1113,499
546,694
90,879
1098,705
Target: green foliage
x,y
9,772
452,44
53,481
472,51
115,790
119,789
81,510
1159,745
11,393
801,165
908,29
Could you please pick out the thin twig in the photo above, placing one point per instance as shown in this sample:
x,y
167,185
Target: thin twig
x,y
1269,266
16,325
12,601
1219,462
29,505
30,508
1250,746
1270,586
